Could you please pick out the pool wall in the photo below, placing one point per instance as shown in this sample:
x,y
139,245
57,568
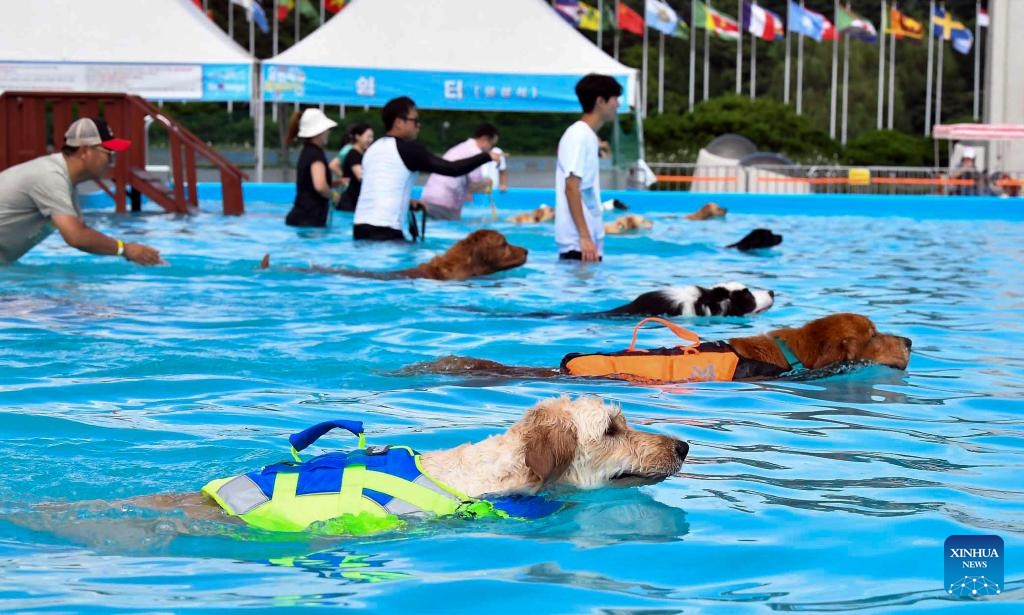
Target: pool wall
x,y
921,207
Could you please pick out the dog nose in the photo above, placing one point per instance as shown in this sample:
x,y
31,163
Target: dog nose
x,y
906,342
682,448
771,294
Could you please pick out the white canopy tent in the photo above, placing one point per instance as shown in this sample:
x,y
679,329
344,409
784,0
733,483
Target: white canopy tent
x,y
508,55
160,49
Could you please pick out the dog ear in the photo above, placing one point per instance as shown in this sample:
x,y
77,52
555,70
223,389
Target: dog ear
x,y
845,349
550,449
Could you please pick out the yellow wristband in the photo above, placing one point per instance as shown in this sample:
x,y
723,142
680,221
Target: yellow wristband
x,y
120,248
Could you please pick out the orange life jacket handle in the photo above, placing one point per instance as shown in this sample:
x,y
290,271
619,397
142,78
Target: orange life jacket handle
x,y
682,333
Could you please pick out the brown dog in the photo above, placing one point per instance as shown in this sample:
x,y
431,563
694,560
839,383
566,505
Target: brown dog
x,y
624,224
819,344
543,213
708,211
482,252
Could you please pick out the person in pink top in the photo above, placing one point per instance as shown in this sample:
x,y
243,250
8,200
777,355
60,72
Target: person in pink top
x,y
444,196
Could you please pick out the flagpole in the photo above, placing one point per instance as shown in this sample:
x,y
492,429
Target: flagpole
x,y
618,32
321,12
296,14
600,23
892,75
785,79
881,70
643,69
928,81
800,71
274,46
231,33
693,51
835,74
846,84
707,60
661,72
753,66
739,49
941,51
977,56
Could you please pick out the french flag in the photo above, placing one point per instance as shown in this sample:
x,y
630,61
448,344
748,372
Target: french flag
x,y
762,22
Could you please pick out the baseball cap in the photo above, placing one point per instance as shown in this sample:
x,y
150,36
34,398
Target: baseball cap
x,y
969,152
88,131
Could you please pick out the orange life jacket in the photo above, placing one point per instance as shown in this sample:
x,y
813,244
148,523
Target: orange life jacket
x,y
676,364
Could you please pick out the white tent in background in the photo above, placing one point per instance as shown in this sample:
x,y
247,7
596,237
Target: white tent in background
x,y
508,55
160,49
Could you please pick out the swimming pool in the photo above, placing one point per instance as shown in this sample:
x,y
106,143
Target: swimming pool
x,y
827,495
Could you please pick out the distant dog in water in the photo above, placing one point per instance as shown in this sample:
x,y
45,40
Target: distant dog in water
x,y
543,213
729,299
757,239
708,211
624,224
818,345
482,252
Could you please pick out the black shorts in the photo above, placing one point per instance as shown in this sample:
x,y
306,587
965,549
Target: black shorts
x,y
574,255
376,233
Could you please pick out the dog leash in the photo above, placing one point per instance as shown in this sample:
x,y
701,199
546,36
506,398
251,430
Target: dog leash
x,y
421,232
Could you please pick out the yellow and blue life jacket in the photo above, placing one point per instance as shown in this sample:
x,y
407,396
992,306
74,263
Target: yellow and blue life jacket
x,y
358,491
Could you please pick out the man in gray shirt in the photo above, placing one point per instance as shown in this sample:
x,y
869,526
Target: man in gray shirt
x,y
39,196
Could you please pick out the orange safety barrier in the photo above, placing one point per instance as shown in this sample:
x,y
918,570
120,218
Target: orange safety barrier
x,y
695,178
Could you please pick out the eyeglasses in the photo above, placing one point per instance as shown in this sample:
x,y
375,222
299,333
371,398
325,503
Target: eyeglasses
x,y
111,154
414,120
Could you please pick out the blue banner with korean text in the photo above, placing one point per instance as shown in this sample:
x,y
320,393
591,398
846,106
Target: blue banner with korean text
x,y
431,90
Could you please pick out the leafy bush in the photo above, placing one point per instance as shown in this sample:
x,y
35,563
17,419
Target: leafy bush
x,y
889,148
772,126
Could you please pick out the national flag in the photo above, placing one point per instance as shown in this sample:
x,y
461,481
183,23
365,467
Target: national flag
x,y
853,24
630,20
809,23
660,16
762,23
569,11
963,40
682,30
283,8
903,26
590,18
334,6
254,12
307,10
718,24
983,20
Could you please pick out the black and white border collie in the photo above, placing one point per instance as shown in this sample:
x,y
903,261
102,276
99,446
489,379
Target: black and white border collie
x,y
729,299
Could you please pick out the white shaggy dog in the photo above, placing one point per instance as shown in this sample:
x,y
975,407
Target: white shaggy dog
x,y
583,443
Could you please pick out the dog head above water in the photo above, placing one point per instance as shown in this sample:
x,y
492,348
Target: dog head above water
x,y
836,338
756,239
708,211
587,444
482,252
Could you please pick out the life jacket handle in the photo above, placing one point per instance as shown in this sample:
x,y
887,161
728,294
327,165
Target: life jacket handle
x,y
307,436
682,333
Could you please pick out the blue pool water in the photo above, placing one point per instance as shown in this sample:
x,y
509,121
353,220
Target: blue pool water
x,y
827,495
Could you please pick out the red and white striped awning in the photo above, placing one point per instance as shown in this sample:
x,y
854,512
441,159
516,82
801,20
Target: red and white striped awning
x,y
981,132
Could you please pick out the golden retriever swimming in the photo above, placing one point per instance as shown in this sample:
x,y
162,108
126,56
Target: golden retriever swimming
x,y
544,213
482,252
708,211
583,443
624,224
817,345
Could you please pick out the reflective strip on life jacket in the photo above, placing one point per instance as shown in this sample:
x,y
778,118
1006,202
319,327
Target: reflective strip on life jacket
x,y
675,367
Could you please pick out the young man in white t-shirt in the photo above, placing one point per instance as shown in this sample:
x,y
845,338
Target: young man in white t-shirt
x,y
579,231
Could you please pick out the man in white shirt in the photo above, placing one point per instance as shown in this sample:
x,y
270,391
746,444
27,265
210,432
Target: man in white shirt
x,y
579,231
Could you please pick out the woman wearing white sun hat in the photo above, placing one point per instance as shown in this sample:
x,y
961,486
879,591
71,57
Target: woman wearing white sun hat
x,y
313,196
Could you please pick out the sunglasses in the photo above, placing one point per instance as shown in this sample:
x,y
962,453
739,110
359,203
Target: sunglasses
x,y
414,120
111,154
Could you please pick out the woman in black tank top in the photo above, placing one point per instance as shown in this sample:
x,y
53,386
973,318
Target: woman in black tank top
x,y
312,178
